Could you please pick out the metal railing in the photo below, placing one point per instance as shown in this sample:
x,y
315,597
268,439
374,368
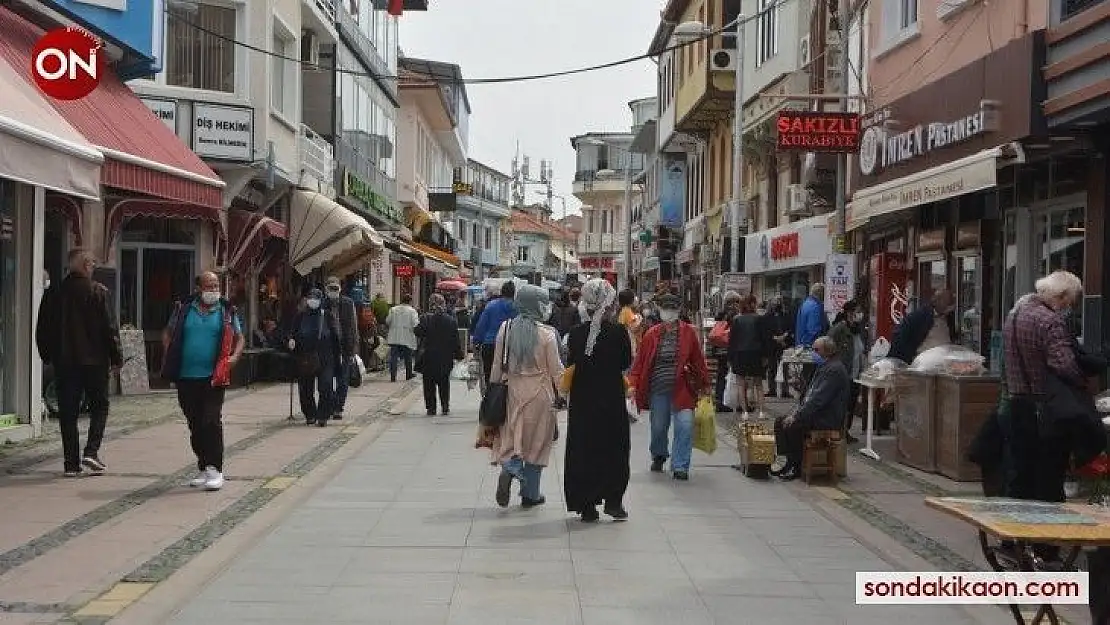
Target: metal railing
x,y
364,168
317,158
592,242
327,7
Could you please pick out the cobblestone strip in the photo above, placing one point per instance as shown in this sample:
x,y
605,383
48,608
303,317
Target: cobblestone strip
x,y
64,533
925,486
934,552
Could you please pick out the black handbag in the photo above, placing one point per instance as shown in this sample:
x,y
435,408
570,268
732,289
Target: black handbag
x,y
354,377
494,410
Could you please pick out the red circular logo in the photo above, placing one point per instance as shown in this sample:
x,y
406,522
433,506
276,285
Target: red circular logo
x,y
67,63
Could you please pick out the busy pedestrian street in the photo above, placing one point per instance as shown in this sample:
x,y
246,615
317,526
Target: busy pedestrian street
x,y
406,531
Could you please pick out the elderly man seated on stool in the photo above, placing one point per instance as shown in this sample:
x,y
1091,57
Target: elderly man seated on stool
x,y
822,408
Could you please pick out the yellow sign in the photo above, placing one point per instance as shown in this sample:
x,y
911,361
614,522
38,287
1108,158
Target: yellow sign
x,y
463,188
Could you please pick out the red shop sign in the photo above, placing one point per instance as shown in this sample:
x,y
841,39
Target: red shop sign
x,y
404,271
594,262
810,131
785,246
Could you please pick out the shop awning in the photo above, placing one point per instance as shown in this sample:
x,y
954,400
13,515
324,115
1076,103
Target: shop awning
x,y
959,177
141,154
428,251
40,147
247,236
320,230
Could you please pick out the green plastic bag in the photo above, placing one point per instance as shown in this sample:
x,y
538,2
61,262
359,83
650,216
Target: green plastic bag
x,y
705,426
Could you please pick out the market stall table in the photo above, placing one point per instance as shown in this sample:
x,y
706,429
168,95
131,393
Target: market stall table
x,y
1067,525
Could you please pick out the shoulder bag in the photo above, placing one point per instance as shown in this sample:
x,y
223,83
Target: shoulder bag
x,y
494,410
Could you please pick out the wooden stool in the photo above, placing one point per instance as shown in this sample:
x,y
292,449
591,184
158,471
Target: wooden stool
x,y
819,454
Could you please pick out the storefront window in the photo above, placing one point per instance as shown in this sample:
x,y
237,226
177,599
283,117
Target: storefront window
x,y
9,302
932,277
1063,233
969,285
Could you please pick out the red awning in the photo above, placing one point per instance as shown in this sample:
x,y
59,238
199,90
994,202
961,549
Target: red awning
x,y
247,237
141,154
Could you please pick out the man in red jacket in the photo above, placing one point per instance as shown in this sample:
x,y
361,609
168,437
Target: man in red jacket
x,y
668,376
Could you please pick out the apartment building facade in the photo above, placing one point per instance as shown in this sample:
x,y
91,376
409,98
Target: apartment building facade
x,y
482,210
959,183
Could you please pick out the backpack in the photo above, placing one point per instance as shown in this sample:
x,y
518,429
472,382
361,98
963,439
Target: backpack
x,y
718,336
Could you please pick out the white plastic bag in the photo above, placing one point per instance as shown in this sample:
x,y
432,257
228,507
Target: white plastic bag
x,y
732,392
461,371
360,366
879,350
632,410
780,374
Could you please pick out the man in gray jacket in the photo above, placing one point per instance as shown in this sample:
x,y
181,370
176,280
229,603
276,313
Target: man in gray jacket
x,y
822,408
344,309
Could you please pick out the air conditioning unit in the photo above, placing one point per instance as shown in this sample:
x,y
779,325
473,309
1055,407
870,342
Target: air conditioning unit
x,y
804,56
722,60
798,200
310,48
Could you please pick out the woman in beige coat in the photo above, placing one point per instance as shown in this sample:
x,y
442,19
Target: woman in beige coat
x,y
524,442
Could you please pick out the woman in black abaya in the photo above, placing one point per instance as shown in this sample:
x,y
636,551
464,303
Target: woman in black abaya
x,y
597,446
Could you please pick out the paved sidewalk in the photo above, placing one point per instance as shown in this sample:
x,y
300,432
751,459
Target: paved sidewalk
x,y
407,532
64,542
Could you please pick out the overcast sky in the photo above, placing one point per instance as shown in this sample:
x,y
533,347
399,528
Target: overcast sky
x,y
495,38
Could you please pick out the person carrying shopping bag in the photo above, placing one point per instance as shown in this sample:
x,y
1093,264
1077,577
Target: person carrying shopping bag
x,y
668,376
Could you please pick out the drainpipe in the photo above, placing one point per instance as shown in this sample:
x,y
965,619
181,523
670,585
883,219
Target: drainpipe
x,y
1023,19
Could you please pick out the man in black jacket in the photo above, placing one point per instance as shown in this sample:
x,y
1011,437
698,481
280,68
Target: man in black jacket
x,y
77,334
344,309
780,332
822,408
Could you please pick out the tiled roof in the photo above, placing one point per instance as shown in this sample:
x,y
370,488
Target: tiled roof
x,y
523,222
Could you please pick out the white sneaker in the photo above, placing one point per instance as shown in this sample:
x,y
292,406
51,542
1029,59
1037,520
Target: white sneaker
x,y
215,479
199,480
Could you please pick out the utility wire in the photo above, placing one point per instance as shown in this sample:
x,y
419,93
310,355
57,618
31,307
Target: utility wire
x,y
725,30
913,66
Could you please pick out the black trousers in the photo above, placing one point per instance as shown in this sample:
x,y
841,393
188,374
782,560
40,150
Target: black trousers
x,y
487,360
722,380
853,401
1037,460
790,440
324,382
74,382
431,385
203,405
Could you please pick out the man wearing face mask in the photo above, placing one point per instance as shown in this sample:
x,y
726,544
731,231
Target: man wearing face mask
x,y
822,408
77,334
343,308
777,326
202,342
315,346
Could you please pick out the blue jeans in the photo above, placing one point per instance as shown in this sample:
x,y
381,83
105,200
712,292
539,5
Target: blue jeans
x,y
398,352
662,414
528,474
342,382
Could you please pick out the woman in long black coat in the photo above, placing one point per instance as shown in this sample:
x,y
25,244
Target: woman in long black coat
x,y
597,448
439,349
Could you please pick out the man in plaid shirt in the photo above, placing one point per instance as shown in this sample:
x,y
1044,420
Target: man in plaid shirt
x,y
1037,344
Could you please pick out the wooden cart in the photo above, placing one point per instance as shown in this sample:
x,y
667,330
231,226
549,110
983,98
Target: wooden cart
x,y
755,440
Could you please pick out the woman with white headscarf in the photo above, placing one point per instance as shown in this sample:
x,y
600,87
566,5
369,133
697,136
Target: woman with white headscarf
x,y
595,470
524,442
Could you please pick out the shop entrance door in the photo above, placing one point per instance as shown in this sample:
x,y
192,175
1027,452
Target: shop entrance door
x,y
152,279
1059,239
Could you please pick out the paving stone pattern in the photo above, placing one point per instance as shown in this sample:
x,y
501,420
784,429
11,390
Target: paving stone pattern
x,y
408,533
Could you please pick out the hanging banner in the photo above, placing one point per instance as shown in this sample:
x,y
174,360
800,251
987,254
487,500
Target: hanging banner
x,y
672,195
840,282
380,281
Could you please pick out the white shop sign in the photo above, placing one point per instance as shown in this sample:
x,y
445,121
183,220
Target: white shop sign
x,y
164,110
881,148
224,132
840,282
812,246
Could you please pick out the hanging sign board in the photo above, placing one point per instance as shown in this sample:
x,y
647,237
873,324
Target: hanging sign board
x,y
811,131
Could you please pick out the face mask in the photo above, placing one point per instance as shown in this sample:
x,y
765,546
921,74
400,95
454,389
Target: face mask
x,y
210,297
313,304
333,294
818,358
668,316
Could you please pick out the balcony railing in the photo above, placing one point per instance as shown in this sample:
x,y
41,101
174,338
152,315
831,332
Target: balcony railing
x,y
327,7
592,175
364,168
317,159
1071,8
594,243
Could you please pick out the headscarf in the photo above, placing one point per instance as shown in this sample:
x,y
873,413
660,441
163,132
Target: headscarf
x,y
436,303
597,297
523,335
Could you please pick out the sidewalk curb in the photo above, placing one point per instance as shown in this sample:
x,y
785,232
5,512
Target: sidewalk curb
x,y
885,546
163,600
